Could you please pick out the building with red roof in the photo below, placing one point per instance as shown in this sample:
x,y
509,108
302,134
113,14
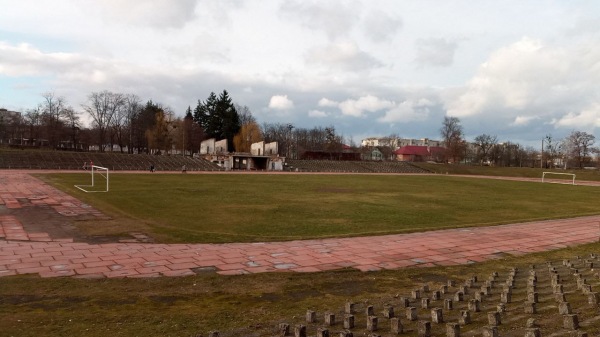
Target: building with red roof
x,y
416,153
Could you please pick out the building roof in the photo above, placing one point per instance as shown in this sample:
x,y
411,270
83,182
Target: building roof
x,y
419,150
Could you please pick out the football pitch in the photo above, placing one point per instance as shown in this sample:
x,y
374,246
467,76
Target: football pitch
x,y
216,208
254,207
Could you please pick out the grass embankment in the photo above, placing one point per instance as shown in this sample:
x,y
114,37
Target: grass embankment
x,y
227,208
249,305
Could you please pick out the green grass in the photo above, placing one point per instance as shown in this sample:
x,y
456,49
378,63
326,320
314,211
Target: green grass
x,y
257,207
526,172
240,207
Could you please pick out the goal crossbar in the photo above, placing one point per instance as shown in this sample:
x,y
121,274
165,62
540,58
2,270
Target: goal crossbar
x,y
554,181
90,188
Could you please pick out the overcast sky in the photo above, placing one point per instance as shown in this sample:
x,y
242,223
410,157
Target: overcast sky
x,y
515,69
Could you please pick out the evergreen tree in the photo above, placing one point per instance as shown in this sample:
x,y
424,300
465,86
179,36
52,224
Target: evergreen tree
x,y
218,117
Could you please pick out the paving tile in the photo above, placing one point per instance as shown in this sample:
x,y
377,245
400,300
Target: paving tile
x,y
145,275
176,273
367,267
306,270
32,270
7,273
179,266
95,264
27,252
230,266
232,272
152,270
121,273
95,270
58,273
264,269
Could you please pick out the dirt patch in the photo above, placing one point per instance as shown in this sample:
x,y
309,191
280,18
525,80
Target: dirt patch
x,y
204,270
45,219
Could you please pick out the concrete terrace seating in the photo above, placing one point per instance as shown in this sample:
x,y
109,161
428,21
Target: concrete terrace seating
x,y
352,166
546,299
59,160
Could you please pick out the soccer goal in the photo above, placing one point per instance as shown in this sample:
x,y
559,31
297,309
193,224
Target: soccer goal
x,y
98,173
558,180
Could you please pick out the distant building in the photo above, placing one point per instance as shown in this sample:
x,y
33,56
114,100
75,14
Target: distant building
x,y
415,153
373,154
396,143
261,157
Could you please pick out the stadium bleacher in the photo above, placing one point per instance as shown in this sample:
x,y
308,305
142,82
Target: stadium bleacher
x,y
352,166
59,160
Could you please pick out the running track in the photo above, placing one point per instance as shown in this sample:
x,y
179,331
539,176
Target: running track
x,y
24,252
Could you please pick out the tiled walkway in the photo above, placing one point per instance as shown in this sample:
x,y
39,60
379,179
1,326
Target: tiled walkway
x,y
37,253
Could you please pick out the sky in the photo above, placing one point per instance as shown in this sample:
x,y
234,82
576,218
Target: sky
x,y
518,70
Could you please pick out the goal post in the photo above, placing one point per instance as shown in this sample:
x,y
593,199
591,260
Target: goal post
x,y
97,173
556,180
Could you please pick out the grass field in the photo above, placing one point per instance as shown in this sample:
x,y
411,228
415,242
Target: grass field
x,y
526,172
241,207
205,208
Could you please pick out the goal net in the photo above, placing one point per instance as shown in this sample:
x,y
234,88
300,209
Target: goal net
x,y
561,178
99,180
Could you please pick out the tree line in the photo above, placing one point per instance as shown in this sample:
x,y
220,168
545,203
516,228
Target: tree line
x,y
575,150
124,123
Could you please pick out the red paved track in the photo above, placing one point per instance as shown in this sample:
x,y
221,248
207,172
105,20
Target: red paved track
x,y
37,253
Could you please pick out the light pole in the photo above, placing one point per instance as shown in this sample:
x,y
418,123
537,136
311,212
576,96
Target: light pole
x,y
542,155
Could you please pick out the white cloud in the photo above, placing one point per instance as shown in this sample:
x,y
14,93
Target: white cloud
x,y
324,102
344,55
26,60
317,114
155,13
380,26
587,119
408,111
335,18
529,78
523,120
436,52
281,102
369,103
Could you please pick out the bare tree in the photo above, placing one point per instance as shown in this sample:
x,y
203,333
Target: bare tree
x,y
53,114
73,125
102,107
484,144
579,146
245,115
551,150
33,122
452,135
131,110
13,126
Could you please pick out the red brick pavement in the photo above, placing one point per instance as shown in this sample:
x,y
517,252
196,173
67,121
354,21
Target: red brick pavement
x,y
37,253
